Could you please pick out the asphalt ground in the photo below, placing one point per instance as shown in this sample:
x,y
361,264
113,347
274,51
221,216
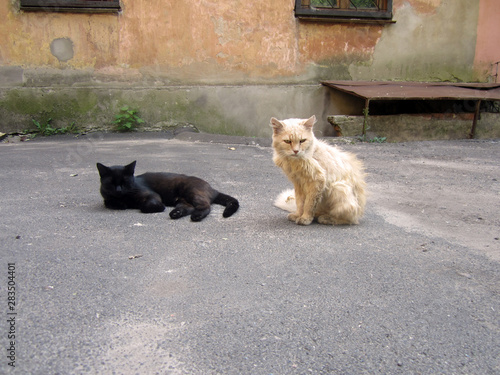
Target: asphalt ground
x,y
413,289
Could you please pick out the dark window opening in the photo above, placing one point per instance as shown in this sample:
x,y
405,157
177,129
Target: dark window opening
x,y
77,6
347,10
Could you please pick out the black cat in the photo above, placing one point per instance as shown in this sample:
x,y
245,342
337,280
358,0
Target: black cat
x,y
151,192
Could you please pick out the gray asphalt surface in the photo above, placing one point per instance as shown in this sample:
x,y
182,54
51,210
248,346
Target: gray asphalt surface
x,y
413,289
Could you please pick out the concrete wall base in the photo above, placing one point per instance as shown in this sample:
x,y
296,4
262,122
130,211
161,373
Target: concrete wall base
x,y
400,128
224,109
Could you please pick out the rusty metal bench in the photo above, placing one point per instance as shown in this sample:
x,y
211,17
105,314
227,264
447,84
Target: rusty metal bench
x,y
389,90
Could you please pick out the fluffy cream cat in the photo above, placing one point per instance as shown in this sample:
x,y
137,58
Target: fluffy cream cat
x,y
329,184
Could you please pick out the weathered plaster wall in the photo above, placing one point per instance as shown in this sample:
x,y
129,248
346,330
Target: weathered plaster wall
x,y
218,42
432,40
209,41
27,37
232,64
190,42
488,36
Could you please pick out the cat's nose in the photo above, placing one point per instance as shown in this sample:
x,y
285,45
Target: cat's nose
x,y
295,151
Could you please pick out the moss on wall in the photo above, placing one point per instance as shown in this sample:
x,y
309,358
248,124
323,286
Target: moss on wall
x,y
233,110
20,106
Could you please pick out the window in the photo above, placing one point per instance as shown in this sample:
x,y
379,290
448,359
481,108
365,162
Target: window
x,y
347,10
79,6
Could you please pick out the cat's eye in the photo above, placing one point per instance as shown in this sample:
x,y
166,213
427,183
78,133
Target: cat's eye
x,y
302,140
287,141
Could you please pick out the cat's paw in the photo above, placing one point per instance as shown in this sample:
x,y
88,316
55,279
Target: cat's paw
x,y
175,214
199,215
327,220
304,220
293,217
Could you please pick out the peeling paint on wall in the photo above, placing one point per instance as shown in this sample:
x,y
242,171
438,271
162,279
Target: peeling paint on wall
x,y
62,49
238,41
439,46
488,35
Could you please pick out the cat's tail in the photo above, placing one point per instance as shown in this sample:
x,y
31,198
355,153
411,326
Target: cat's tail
x,y
286,201
229,202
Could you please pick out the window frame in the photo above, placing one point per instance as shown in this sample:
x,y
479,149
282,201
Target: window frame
x,y
304,11
74,6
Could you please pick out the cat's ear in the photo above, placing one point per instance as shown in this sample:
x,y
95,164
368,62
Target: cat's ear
x,y
277,125
103,170
309,123
129,169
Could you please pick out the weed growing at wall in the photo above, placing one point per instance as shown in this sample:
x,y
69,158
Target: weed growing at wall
x,y
45,128
378,140
127,119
